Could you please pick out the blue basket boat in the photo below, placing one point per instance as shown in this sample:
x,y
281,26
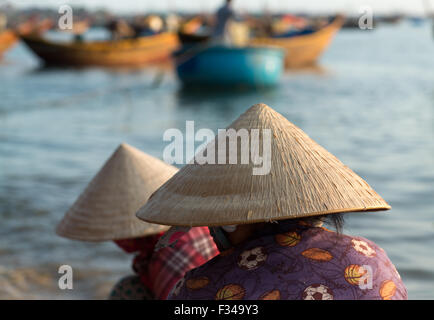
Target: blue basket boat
x,y
230,66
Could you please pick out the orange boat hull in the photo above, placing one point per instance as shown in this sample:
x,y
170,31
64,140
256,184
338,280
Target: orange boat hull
x,y
305,50
7,40
118,53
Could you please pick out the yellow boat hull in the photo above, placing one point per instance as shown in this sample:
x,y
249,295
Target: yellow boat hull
x,y
304,50
118,53
7,39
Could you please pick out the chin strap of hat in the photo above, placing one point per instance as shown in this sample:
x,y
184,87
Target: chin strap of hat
x,y
220,239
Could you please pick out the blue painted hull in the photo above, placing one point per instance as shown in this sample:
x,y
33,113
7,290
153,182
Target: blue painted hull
x,y
229,66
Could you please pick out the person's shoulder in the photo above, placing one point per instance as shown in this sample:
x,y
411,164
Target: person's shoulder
x,y
356,249
221,9
364,257
366,247
375,260
225,8
360,244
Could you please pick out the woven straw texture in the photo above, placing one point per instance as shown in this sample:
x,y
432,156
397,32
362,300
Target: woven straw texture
x,y
106,209
305,180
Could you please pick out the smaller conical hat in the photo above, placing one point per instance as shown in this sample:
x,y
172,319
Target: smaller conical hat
x,y
304,180
106,209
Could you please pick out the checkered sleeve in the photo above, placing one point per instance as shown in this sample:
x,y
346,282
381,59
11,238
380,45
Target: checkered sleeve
x,y
170,264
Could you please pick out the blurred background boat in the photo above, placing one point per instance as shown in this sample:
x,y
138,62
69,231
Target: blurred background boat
x,y
224,66
7,40
115,53
305,47
302,42
8,37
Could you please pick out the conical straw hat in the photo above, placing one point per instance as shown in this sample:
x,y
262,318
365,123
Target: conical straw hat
x,y
106,209
304,180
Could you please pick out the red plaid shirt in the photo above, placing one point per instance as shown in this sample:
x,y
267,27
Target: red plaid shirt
x,y
161,270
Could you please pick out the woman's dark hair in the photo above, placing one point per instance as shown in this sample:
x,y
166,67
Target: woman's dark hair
x,y
335,220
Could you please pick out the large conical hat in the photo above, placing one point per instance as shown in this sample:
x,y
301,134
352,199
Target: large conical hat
x,y
304,180
106,209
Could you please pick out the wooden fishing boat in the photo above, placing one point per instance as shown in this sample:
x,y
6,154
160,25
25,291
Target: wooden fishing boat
x,y
192,38
114,53
34,26
7,39
225,66
304,50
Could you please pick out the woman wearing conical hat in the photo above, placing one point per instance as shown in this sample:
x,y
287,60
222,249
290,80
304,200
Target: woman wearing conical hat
x,y
268,225
105,211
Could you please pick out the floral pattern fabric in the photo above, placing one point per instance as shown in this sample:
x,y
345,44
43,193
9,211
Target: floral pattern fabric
x,y
294,261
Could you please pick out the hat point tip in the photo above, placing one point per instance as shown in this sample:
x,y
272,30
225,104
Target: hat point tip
x,y
260,105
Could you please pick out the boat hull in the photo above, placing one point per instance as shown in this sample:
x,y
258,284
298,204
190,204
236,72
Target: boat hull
x,y
304,50
227,66
7,40
119,53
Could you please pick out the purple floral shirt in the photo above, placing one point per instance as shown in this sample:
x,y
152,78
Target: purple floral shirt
x,y
292,261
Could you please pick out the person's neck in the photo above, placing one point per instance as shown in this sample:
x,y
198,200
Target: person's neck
x,y
243,232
